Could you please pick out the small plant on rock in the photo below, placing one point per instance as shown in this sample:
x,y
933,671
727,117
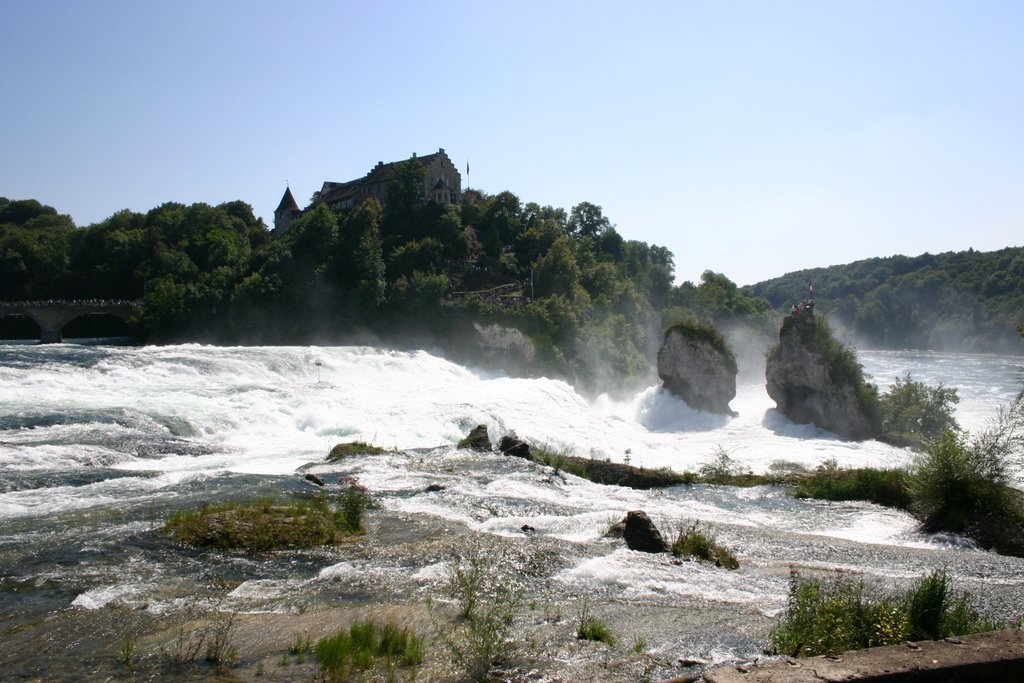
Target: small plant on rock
x,y
590,627
693,541
489,603
720,469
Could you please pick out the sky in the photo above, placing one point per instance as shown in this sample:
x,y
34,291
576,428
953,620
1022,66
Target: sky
x,y
750,138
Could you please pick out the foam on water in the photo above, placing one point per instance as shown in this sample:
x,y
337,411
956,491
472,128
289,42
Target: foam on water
x,y
165,416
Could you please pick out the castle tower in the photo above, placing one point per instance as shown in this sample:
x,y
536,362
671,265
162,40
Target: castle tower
x,y
285,213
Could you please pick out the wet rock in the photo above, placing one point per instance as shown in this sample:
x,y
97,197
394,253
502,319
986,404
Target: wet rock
x,y
641,534
698,366
477,439
505,345
511,444
617,530
314,479
808,376
344,450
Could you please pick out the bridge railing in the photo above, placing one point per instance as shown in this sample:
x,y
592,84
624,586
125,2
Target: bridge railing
x,y
72,303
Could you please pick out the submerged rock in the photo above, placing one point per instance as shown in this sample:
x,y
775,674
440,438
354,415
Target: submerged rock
x,y
477,439
698,366
641,534
814,379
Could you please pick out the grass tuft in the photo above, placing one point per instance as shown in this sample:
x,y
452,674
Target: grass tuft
x,y
593,628
268,524
364,644
701,544
344,450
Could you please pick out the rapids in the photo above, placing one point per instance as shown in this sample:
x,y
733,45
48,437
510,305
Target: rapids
x,y
99,444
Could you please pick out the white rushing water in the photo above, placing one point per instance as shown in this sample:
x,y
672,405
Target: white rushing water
x,y
89,429
271,410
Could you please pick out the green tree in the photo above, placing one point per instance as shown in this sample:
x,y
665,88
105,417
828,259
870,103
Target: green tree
x,y
557,273
366,258
587,220
918,410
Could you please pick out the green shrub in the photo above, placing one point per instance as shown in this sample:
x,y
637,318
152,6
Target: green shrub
x,y
721,469
829,482
354,501
595,629
691,541
489,603
363,644
913,409
955,482
826,617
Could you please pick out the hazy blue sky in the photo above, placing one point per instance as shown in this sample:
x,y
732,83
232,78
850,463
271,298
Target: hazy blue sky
x,y
750,138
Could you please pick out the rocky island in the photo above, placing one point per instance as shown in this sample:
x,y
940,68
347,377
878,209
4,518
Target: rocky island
x,y
697,365
814,379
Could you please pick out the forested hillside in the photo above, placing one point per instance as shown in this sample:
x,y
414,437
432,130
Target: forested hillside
x,y
957,301
592,303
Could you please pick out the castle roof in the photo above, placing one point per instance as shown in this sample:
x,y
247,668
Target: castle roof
x,y
333,191
288,202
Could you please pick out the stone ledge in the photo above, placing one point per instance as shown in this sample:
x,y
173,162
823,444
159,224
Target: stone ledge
x,y
996,656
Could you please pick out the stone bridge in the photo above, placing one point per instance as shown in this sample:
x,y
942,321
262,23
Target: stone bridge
x,y
52,315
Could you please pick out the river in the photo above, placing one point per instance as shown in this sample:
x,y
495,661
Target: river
x,y
99,444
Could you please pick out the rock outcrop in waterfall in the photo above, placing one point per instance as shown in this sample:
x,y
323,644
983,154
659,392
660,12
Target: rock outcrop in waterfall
x,y
815,379
698,366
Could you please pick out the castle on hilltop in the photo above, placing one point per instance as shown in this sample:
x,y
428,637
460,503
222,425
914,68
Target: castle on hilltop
x,y
442,184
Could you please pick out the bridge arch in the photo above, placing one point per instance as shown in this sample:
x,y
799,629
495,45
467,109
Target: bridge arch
x,y
19,326
96,325
53,316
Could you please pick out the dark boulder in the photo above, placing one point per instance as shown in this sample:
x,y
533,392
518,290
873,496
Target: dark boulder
x,y
512,445
477,439
641,534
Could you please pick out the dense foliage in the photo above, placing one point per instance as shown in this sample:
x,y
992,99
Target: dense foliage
x,y
963,483
889,487
914,410
592,303
827,617
959,301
